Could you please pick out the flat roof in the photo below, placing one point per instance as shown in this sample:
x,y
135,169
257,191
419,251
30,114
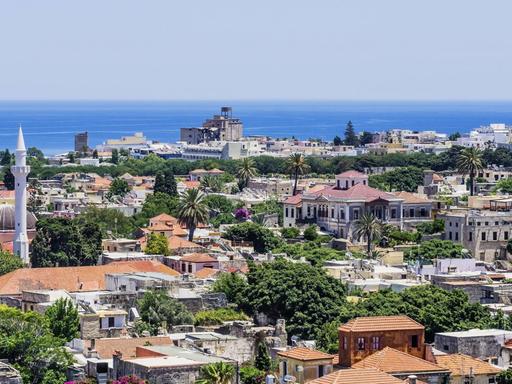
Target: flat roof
x,y
476,333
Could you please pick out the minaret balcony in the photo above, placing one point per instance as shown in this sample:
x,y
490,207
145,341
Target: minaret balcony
x,y
20,170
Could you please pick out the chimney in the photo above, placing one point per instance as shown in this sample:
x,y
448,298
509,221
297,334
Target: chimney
x,y
412,379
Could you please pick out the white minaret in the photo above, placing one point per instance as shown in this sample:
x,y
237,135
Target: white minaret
x,y
20,172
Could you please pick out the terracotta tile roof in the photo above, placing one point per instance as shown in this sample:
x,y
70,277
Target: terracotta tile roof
x,y
206,273
74,279
293,200
305,354
381,323
127,346
436,177
357,376
164,218
316,188
460,365
411,198
391,361
357,192
215,171
198,258
160,227
351,173
189,184
176,242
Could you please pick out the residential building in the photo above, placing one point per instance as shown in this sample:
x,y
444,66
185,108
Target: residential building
x,y
223,127
193,263
336,208
484,233
100,323
198,174
363,336
483,344
466,369
271,186
137,140
303,364
9,375
403,365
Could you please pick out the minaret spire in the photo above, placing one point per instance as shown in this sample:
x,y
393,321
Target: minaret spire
x,y
20,172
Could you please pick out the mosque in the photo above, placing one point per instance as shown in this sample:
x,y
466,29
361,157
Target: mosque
x,y
17,226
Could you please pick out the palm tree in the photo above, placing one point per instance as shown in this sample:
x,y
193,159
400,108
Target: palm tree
x,y
216,373
469,162
297,166
368,225
211,183
192,210
245,171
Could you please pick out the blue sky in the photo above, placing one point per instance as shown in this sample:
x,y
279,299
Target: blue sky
x,y
259,49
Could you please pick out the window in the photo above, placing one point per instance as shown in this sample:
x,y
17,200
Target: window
x,y
286,212
411,212
190,268
393,213
375,343
496,223
505,235
309,210
495,236
486,223
470,236
360,343
356,214
456,236
450,224
111,322
342,214
456,225
483,236
292,212
414,341
492,380
344,345
285,368
450,235
445,348
321,371
332,213
423,212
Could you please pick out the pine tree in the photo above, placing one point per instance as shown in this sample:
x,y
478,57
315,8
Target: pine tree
x,y
166,183
6,158
115,156
262,361
337,140
350,135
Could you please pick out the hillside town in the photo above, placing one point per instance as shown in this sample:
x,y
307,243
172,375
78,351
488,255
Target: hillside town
x,y
370,258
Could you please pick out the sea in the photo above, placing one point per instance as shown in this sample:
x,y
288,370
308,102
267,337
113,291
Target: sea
x,y
51,125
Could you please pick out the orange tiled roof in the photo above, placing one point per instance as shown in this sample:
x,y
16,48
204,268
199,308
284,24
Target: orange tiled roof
x,y
411,198
164,218
127,346
460,365
74,279
206,273
198,258
293,200
357,376
189,184
380,323
351,173
176,242
390,360
305,354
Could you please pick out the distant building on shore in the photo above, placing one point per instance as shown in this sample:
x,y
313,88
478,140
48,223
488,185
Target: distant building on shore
x,y
223,127
82,142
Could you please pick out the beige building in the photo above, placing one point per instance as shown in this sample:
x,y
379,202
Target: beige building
x,y
304,364
466,369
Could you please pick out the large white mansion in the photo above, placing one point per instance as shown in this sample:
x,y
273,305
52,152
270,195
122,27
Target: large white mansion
x,y
335,208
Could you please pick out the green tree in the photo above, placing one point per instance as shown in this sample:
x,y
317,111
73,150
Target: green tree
x,y
263,239
337,141
118,188
9,262
27,343
469,162
305,296
8,179
192,210
366,138
290,232
233,285
115,156
211,183
350,135
437,249
219,204
262,360
504,377
156,204
454,136
157,245
296,165
216,373
63,319
251,375
95,154
370,227
6,158
310,233
109,221
156,308
166,183
401,179
504,186
71,157
217,316
246,171
64,242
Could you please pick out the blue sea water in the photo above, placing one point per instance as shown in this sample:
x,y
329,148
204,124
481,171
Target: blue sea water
x,y
51,125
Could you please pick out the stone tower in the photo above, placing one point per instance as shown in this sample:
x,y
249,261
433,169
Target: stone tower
x,y
20,172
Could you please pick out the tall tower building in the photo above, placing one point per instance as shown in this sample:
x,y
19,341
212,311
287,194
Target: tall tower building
x,y
20,172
